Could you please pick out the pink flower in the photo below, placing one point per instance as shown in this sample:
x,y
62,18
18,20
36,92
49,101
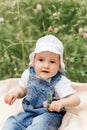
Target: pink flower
x,y
50,29
84,35
38,7
56,30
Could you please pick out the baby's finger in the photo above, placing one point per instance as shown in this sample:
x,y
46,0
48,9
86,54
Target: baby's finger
x,y
45,104
12,100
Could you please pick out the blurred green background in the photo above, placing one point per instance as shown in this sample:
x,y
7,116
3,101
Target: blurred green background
x,y
22,22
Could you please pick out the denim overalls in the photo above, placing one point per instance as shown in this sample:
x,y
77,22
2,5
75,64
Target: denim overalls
x,y
35,116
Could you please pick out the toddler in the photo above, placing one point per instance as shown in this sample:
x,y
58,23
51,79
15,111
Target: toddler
x,y
42,83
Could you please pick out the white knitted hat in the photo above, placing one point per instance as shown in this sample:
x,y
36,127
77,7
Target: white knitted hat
x,y
49,43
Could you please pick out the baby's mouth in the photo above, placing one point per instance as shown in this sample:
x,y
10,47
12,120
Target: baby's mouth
x,y
45,71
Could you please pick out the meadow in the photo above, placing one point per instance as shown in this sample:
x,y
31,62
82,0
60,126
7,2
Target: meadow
x,y
22,22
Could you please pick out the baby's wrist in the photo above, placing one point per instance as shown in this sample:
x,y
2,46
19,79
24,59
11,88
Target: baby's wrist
x,y
63,103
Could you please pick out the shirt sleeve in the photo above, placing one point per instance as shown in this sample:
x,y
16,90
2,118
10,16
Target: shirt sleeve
x,y
63,87
24,79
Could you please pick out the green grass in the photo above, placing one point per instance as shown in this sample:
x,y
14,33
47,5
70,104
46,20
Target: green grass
x,y
23,24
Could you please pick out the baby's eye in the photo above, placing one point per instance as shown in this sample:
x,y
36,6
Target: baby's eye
x,y
41,60
52,61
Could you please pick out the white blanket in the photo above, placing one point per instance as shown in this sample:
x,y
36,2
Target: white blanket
x,y
74,119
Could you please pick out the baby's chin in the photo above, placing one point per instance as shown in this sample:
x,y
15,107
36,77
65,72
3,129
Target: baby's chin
x,y
45,78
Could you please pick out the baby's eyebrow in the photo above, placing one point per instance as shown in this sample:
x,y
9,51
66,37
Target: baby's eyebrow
x,y
41,58
53,59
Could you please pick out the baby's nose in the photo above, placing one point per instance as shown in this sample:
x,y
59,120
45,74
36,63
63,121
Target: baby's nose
x,y
46,64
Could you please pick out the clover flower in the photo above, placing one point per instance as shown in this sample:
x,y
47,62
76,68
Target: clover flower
x,y
1,19
38,7
85,35
56,30
81,30
50,29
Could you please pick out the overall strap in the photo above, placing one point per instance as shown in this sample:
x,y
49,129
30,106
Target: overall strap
x,y
32,71
56,78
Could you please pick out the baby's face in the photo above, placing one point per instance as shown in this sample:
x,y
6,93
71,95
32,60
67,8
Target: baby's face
x,y
46,64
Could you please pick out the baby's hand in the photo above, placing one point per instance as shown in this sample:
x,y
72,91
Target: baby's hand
x,y
10,97
56,106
